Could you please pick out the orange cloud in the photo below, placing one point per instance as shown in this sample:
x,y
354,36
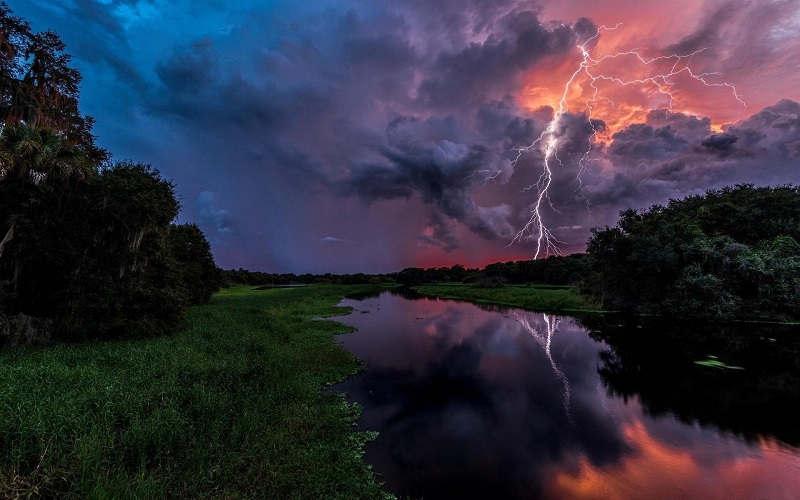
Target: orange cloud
x,y
620,84
753,46
662,470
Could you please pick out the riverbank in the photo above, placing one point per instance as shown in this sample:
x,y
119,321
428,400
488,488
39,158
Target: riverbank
x,y
230,406
540,298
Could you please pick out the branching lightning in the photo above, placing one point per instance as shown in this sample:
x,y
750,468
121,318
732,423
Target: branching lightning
x,y
548,142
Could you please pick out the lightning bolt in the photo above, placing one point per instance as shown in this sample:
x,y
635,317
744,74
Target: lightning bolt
x,y
545,341
548,142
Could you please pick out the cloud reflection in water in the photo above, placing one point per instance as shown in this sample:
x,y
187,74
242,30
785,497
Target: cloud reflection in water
x,y
471,402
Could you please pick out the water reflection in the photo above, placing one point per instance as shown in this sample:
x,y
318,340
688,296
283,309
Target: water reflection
x,y
512,404
656,363
545,340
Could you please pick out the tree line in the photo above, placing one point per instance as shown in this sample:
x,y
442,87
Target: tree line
x,y
88,247
233,277
730,254
554,270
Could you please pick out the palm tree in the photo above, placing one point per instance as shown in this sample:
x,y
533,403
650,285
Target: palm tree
x,y
33,159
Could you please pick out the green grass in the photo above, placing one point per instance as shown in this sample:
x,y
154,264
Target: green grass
x,y
230,407
543,298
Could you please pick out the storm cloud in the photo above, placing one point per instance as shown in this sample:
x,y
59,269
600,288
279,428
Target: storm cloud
x,y
397,125
676,154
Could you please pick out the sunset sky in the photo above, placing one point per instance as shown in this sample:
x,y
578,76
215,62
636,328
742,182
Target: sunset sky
x,y
372,135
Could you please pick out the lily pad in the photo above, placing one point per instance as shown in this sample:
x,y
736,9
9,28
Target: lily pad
x,y
715,363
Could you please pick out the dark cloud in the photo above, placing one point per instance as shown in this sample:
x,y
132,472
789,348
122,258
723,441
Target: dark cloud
x,y
748,42
92,31
731,31
490,69
365,71
722,143
444,233
191,68
677,154
770,129
211,216
441,173
641,142
400,116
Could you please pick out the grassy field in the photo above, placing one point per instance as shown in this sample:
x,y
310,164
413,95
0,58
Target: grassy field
x,y
230,407
543,298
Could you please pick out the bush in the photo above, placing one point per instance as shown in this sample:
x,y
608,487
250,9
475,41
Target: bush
x,y
716,256
491,282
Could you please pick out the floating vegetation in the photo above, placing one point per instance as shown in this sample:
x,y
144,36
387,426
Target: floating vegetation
x,y
714,362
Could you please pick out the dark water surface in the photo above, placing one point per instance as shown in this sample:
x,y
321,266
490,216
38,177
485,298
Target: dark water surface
x,y
478,403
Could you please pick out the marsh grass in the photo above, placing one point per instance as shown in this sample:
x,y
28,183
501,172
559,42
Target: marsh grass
x,y
544,298
229,407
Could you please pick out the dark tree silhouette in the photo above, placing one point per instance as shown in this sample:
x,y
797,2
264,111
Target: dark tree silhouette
x,y
87,247
37,85
732,253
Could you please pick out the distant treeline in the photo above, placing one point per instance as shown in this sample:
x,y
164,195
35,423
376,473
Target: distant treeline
x,y
241,276
88,248
730,254
552,270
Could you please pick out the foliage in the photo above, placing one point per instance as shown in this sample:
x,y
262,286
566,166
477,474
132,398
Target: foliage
x,y
42,181
127,282
198,275
554,270
86,248
415,275
729,254
540,299
100,257
256,278
37,85
491,282
229,407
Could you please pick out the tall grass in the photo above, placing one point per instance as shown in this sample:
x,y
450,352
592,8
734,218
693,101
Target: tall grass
x,y
229,407
539,298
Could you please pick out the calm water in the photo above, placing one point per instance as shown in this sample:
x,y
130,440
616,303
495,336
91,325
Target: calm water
x,y
478,403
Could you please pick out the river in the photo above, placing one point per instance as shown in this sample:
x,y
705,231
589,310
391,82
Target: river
x,y
483,402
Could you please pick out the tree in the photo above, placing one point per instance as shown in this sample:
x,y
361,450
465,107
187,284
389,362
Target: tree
x,y
196,270
38,87
729,254
85,250
38,170
124,281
